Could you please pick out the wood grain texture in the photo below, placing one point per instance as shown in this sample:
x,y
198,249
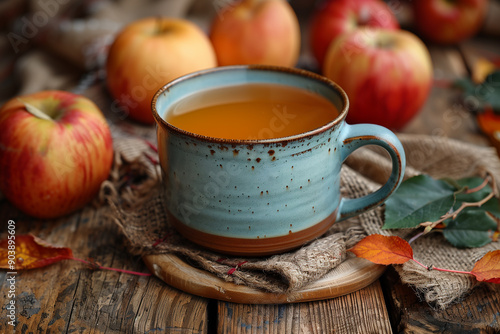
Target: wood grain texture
x,y
362,312
69,297
477,313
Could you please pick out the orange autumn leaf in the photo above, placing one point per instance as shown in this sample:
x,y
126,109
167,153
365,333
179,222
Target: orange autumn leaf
x,y
28,252
488,121
488,268
383,250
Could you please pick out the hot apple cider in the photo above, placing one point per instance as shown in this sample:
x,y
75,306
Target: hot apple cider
x,y
252,111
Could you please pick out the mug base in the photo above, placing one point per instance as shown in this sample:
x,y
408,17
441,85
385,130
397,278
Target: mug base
x,y
255,246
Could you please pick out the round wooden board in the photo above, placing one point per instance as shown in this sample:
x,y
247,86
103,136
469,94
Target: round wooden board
x,y
352,275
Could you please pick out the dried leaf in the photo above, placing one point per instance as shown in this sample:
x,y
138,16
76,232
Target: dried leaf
x,y
30,252
35,111
488,268
383,249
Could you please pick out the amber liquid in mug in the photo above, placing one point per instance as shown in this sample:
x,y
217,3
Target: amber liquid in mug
x,y
252,111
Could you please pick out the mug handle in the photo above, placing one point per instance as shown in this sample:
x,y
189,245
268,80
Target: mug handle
x,y
356,136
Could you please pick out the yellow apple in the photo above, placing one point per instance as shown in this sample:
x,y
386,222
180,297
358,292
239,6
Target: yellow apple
x,y
149,53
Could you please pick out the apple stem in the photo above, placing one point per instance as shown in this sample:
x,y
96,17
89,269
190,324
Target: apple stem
x,y
35,111
160,26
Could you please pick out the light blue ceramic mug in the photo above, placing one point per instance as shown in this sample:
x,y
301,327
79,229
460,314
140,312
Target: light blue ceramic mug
x,y
260,197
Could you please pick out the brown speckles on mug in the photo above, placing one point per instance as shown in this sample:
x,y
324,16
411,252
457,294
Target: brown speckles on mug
x,y
212,204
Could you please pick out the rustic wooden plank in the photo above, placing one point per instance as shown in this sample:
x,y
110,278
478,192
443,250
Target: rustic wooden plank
x,y
363,311
69,297
477,313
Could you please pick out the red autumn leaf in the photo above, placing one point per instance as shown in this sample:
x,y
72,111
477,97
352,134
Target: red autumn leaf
x,y
28,252
383,250
488,268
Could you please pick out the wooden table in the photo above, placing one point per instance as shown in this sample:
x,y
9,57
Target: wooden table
x,y
69,297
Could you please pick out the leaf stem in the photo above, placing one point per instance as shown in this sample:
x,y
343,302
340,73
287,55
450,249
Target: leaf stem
x,y
415,237
96,266
441,269
421,264
479,187
453,214
452,271
472,204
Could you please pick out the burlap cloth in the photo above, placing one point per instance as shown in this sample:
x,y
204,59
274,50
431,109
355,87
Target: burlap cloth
x,y
138,207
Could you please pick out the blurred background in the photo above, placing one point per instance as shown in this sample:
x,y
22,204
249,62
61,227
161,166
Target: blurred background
x,y
63,44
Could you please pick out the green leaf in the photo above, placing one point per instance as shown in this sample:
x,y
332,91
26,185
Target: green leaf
x,y
471,228
486,93
417,200
35,111
470,183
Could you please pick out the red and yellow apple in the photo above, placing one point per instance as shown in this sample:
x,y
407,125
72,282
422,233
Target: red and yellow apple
x,y
149,53
387,75
55,151
336,17
256,32
448,21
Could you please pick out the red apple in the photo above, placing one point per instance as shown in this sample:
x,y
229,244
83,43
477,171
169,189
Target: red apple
x,y
55,151
448,21
149,53
256,32
336,17
387,74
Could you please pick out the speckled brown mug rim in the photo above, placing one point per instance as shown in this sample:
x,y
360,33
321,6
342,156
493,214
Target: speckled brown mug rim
x,y
295,71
